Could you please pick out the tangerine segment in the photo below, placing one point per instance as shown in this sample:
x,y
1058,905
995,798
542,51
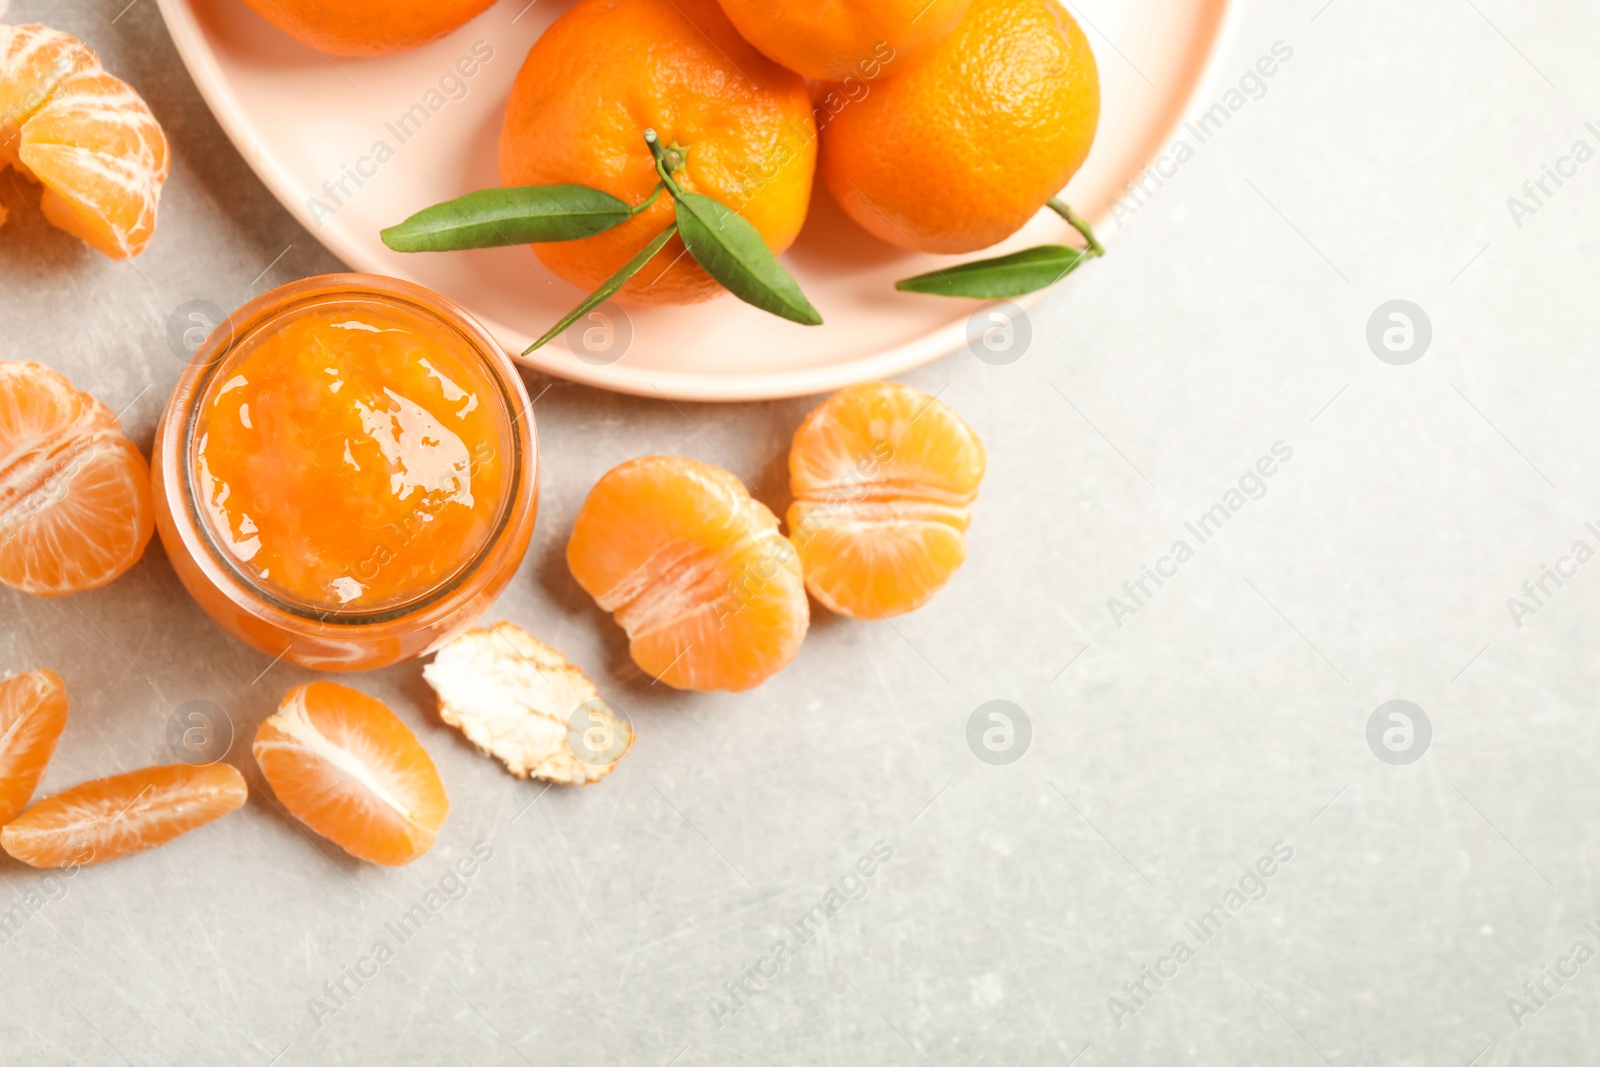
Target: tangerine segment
x,y
832,40
346,766
86,135
34,61
696,572
33,712
112,817
962,147
75,506
883,478
608,70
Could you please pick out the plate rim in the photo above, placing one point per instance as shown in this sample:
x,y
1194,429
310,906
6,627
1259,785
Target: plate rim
x,y
216,89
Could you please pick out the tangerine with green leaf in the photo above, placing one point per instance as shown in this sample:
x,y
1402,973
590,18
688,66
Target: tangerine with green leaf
x,y
963,146
731,124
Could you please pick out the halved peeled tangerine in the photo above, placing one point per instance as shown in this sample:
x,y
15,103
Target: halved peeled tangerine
x,y
883,479
75,505
33,712
113,817
87,136
346,766
696,572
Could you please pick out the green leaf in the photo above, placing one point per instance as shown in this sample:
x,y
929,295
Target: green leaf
x,y
520,215
732,252
990,279
612,284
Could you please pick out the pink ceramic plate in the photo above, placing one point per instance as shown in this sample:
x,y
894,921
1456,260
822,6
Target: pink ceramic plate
x,y
353,145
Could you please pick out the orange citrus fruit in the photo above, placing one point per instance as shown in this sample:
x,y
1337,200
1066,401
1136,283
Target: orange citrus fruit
x,y
962,147
883,479
75,506
87,136
112,817
608,70
346,766
368,27
694,570
831,40
33,712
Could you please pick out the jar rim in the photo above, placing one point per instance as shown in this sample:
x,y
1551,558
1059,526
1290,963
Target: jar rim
x,y
281,305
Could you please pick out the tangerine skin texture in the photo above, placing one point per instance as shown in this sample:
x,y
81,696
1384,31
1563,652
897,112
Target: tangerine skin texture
x,y
33,712
960,149
694,570
883,478
608,70
368,27
830,40
109,818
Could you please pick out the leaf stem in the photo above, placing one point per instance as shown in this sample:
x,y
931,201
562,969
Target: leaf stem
x,y
1077,222
612,284
644,206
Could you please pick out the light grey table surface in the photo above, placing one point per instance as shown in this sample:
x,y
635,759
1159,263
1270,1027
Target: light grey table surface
x,y
1228,715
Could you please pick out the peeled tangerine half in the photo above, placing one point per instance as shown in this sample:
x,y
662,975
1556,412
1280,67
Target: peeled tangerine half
x,y
85,135
346,766
883,479
75,507
33,712
113,817
694,570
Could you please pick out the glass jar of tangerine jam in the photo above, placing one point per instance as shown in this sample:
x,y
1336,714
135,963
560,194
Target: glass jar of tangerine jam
x,y
347,473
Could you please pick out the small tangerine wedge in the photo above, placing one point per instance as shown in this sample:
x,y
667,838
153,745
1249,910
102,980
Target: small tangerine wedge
x,y
608,70
34,63
346,766
883,479
87,136
75,503
33,712
368,27
831,40
959,149
696,572
113,817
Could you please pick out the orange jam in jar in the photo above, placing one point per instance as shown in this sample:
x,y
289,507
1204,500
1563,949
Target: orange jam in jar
x,y
347,473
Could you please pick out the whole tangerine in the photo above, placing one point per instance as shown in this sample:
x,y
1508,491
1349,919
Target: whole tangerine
x,y
961,148
831,40
607,71
368,27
